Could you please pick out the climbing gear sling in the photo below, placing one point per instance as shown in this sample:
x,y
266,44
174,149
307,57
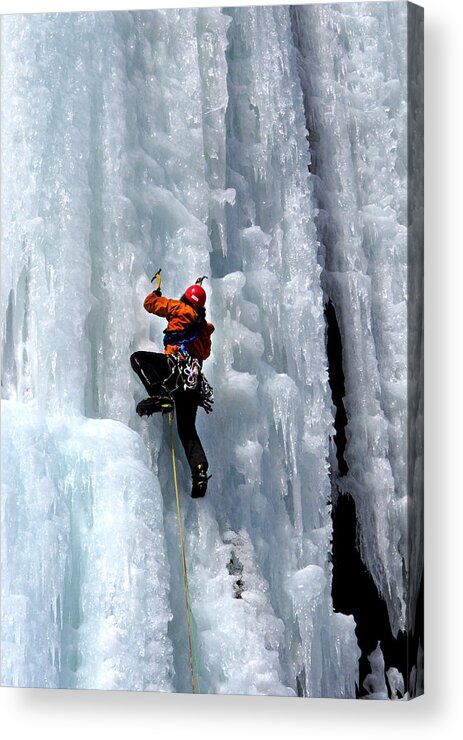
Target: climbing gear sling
x,y
188,376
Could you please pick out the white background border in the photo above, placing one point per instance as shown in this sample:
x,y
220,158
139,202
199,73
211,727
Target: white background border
x,y
34,713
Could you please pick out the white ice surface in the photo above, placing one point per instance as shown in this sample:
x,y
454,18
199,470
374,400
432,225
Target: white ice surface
x,y
178,139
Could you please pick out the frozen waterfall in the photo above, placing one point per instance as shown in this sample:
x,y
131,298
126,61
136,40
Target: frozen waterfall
x,y
267,148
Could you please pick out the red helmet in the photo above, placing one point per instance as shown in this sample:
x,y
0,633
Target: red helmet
x,y
196,295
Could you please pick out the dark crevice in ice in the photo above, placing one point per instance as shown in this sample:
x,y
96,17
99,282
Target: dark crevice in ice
x,y
353,589
334,352
354,592
301,683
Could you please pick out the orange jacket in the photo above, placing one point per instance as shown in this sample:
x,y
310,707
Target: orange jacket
x,y
179,316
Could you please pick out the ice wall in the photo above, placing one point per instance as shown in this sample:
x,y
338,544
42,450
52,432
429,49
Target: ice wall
x,y
353,69
271,349
178,139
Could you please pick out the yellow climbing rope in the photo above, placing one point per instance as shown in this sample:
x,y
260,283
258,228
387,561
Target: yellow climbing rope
x,y
195,683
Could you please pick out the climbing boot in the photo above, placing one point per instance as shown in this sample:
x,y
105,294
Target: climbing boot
x,y
200,478
155,404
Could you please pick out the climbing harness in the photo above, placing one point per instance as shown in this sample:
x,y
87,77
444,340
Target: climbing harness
x,y
189,370
193,656
186,374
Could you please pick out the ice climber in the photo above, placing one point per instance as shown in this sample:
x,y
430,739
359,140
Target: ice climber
x,y
175,378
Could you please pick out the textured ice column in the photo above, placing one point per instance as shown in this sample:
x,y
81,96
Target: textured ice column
x,y
272,425
118,523
85,576
45,209
353,71
81,491
35,531
211,28
238,633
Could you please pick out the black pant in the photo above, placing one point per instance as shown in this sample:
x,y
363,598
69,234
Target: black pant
x,y
153,368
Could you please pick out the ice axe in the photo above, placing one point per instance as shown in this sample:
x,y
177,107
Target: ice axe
x,y
158,276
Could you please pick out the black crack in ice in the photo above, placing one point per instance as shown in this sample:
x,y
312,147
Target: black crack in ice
x,y
353,589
